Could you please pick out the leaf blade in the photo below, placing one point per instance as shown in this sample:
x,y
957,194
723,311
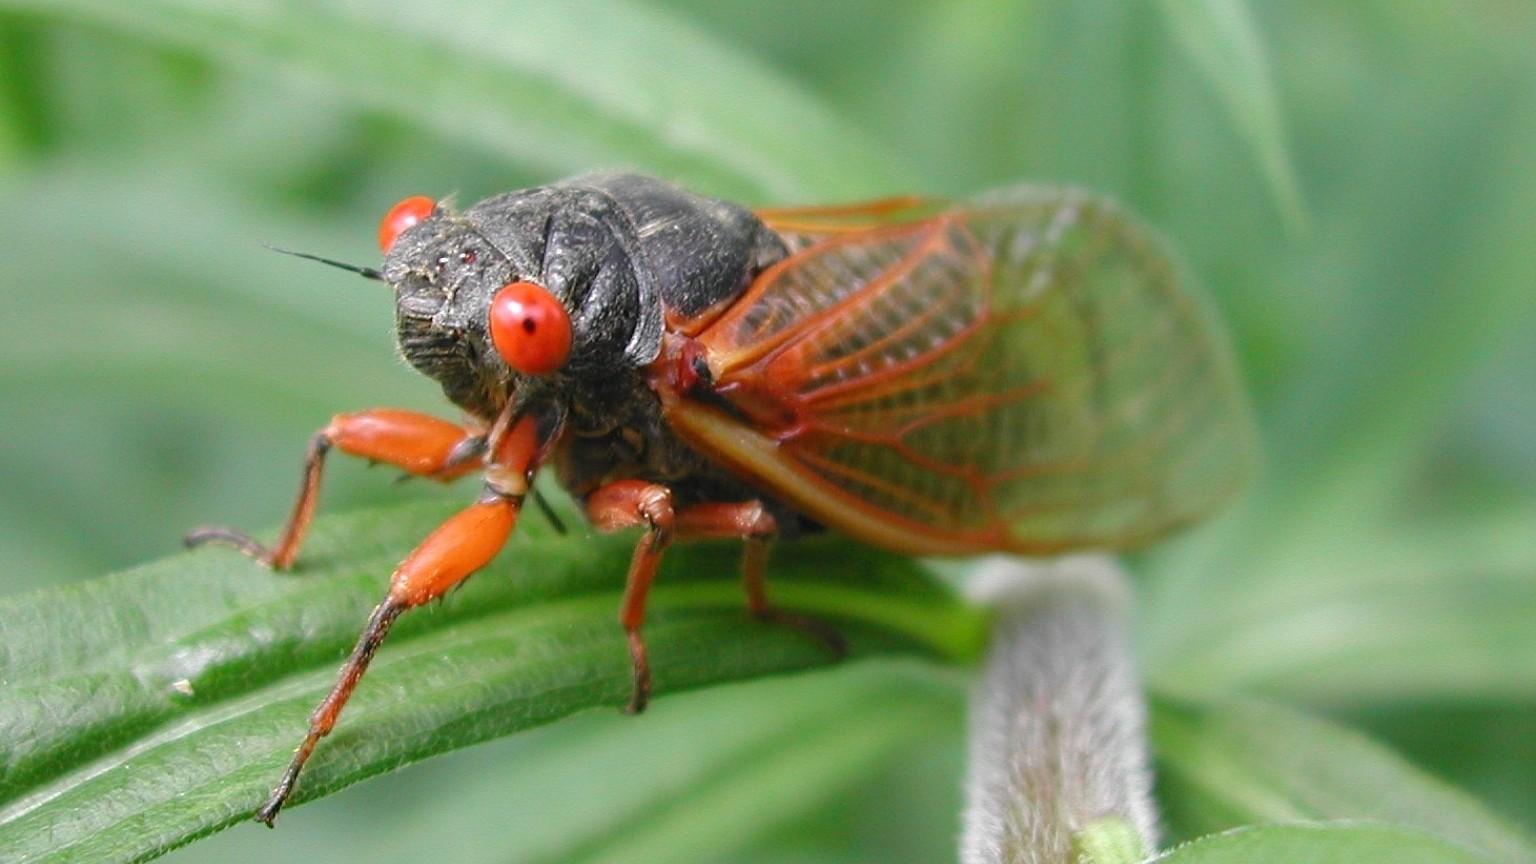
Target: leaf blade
x,y
1230,764
500,656
1220,38
1321,844
644,87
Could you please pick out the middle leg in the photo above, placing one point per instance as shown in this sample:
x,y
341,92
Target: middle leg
x,y
623,504
755,526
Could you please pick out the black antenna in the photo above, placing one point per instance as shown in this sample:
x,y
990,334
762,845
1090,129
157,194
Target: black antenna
x,y
365,272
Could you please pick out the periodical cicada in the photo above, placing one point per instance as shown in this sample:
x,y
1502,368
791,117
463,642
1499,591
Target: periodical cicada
x,y
1019,372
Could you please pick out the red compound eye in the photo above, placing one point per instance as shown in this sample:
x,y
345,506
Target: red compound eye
x,y
530,329
402,216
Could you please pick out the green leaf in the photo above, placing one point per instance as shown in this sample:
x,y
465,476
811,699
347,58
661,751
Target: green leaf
x,y
1221,40
1227,765
1320,844
1396,343
1487,749
736,802
1436,611
574,790
158,705
569,87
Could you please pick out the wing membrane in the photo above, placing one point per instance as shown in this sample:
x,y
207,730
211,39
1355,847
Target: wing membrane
x,y
800,227
1021,372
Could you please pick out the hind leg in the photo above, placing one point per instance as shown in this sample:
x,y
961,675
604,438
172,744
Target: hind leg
x,y
757,529
627,503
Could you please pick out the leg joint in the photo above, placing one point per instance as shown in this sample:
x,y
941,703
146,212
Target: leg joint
x,y
320,443
757,522
624,503
655,507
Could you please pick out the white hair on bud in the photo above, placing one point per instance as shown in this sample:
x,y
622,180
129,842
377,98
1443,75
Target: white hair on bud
x,y
1058,730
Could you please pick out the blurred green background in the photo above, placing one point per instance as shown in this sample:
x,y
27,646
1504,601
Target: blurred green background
x,y
1351,184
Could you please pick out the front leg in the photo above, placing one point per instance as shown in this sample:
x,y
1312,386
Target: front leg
x,y
417,444
448,556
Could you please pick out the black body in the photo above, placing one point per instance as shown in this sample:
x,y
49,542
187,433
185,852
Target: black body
x,y
622,252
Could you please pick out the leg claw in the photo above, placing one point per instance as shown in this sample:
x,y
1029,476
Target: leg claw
x,y
218,535
640,696
817,629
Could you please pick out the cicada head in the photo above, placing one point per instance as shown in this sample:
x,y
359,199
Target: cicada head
x,y
525,296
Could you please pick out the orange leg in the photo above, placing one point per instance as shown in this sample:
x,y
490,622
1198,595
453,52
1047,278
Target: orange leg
x,y
754,525
620,505
418,444
467,541
627,503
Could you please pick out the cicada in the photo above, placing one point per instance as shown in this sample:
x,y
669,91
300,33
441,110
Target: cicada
x,y
1019,372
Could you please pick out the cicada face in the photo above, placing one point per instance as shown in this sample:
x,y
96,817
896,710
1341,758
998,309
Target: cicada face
x,y
523,296
443,276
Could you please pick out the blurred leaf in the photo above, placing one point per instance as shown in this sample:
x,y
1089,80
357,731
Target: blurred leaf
x,y
209,363
1220,38
1442,286
1483,747
907,809
963,56
1320,844
571,86
1327,585
739,801
106,759
1497,434
1438,611
23,114
1233,764
1079,118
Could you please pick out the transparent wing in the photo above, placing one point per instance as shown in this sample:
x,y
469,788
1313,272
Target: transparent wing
x,y
1021,372
803,226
